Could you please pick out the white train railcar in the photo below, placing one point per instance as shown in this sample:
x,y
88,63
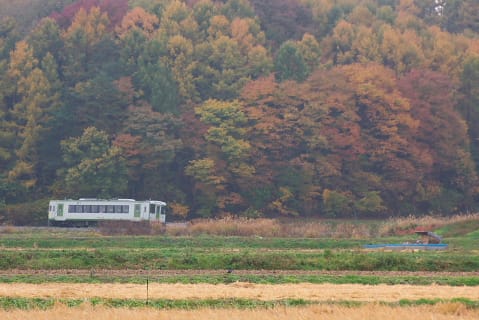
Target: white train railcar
x,y
89,211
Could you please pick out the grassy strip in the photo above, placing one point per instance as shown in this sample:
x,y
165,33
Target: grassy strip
x,y
8,303
68,241
259,279
471,304
196,304
186,258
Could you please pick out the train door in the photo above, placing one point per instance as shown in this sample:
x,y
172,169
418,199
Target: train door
x,y
60,210
137,211
160,213
152,212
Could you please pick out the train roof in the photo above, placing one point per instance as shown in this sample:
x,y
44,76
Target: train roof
x,y
111,200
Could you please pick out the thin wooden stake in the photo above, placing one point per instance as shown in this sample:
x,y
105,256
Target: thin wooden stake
x,y
147,289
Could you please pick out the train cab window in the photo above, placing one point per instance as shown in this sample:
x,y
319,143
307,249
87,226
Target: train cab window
x,y
152,208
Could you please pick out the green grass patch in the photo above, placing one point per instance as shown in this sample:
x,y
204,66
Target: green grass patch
x,y
197,304
471,304
70,241
247,259
466,243
8,303
459,229
259,279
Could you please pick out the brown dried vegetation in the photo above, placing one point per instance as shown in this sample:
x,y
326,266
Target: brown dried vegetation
x,y
312,228
325,312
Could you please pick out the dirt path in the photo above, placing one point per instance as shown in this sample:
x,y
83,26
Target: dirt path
x,y
169,273
322,292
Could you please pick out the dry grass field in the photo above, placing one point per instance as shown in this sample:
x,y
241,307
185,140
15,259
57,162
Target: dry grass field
x,y
328,293
445,311
307,291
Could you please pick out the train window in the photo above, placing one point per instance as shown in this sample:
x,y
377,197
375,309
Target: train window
x,y
95,209
87,208
126,209
102,209
118,208
152,208
79,209
71,208
110,209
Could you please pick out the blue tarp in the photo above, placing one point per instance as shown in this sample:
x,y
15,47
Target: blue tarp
x,y
437,246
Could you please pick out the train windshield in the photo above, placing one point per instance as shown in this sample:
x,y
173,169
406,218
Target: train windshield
x,y
160,210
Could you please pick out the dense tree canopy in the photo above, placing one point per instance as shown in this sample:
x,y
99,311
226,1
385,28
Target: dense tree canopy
x,y
328,108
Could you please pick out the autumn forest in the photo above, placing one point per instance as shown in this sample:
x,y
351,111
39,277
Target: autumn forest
x,y
296,108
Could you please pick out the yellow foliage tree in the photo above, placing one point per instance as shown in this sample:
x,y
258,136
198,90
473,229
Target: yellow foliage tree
x,y
35,97
92,25
138,19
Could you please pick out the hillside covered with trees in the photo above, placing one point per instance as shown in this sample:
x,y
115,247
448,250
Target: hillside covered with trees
x,y
314,108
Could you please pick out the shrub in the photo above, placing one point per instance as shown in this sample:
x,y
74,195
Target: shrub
x,y
30,213
235,227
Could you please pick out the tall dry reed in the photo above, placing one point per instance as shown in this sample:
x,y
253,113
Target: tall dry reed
x,y
404,225
300,227
263,227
